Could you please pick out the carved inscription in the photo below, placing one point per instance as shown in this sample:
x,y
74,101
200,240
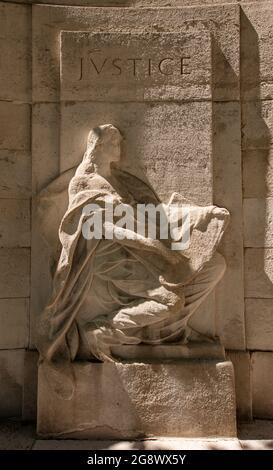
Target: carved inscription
x,y
135,66
95,64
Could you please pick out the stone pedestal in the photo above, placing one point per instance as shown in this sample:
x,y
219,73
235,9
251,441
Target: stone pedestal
x,y
191,398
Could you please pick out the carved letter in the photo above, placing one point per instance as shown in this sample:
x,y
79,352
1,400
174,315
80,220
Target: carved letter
x,y
160,66
184,65
81,70
114,63
95,66
134,62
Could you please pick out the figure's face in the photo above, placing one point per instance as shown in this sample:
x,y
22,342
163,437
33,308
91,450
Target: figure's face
x,y
108,152
115,151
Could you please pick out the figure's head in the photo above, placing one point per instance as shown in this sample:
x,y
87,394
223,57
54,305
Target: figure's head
x,y
103,145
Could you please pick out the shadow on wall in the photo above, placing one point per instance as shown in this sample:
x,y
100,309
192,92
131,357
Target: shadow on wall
x,y
256,141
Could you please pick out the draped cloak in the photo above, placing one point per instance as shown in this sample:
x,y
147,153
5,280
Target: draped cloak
x,y
119,291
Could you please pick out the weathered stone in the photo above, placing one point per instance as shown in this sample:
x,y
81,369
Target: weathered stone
x,y
15,271
227,192
30,382
131,3
11,377
262,377
180,399
15,175
221,21
258,222
259,324
14,126
256,50
110,66
16,436
242,371
259,272
14,223
14,320
181,161
45,144
258,172
257,124
15,44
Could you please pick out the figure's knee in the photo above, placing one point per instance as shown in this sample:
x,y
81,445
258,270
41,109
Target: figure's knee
x,y
219,266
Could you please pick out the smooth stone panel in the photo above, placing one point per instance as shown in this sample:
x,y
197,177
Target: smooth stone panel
x,y
222,21
256,49
15,175
14,320
14,223
227,192
15,45
258,173
259,324
259,273
14,126
15,272
258,222
11,378
135,67
242,371
262,376
187,398
169,143
257,124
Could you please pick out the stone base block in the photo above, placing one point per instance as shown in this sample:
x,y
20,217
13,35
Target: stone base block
x,y
124,401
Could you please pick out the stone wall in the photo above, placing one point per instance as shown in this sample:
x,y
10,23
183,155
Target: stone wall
x,y
242,119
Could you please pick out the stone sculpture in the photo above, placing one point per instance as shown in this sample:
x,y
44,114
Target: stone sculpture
x,y
130,288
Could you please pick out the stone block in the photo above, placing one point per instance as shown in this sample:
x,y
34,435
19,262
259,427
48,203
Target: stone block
x,y
258,222
259,273
258,173
222,21
227,192
14,320
242,372
45,144
15,272
15,44
256,50
15,175
14,223
30,382
185,398
14,126
110,66
262,377
170,142
259,324
11,378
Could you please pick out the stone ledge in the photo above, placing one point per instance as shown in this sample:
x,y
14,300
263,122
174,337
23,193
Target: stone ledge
x,y
169,352
122,401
